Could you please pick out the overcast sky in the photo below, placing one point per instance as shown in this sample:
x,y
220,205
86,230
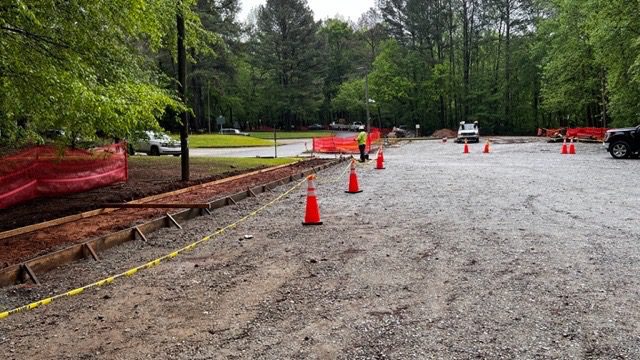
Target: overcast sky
x,y
322,8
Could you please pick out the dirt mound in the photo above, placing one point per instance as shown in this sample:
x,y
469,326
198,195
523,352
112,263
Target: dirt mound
x,y
445,133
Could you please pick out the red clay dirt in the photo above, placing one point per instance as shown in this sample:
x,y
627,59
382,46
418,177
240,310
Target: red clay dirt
x,y
442,133
27,246
143,181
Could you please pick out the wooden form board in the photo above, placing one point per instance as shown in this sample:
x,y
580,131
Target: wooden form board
x,y
45,263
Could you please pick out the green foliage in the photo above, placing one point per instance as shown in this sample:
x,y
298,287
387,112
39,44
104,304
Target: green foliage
x,y
350,97
570,71
81,66
340,57
614,31
291,53
390,82
107,67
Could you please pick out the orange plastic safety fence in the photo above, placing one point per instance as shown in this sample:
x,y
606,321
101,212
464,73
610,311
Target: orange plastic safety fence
x,y
50,171
343,145
582,133
587,133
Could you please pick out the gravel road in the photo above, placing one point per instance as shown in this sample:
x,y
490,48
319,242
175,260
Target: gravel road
x,y
522,253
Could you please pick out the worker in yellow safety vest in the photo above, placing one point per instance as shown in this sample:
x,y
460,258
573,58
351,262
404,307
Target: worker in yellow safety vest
x,y
362,142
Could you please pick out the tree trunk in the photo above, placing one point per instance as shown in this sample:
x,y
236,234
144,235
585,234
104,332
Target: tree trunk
x,y
507,65
182,84
466,55
452,68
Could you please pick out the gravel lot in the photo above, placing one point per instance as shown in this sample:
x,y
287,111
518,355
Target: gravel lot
x,y
523,253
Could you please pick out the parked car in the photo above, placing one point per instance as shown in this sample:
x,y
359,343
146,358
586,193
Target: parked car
x,y
469,132
623,143
401,132
233,132
315,127
355,126
155,144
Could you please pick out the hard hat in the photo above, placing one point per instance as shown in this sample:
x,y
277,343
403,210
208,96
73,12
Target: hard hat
x,y
361,128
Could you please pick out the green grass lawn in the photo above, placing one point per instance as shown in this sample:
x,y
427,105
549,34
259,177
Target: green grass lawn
x,y
203,166
292,134
226,141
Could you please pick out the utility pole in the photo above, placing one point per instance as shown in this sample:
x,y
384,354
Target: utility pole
x,y
209,105
366,98
275,142
182,90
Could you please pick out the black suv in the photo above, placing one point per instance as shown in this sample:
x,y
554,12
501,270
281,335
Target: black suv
x,y
623,143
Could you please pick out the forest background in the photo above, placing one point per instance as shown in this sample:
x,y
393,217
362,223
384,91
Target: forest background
x,y
108,68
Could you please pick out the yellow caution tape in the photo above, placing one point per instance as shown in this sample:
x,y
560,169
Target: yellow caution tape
x,y
341,175
75,292
33,305
148,265
151,264
131,272
104,282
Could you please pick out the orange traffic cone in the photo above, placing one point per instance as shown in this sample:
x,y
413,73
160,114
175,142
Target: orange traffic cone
x,y
564,147
572,148
487,148
380,160
466,147
353,180
312,215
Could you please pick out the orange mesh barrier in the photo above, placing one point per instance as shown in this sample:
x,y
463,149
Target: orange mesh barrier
x,y
340,145
49,171
581,133
587,133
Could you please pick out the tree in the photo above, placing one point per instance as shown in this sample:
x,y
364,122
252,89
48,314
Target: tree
x,y
570,82
212,78
371,29
291,52
78,68
614,31
340,56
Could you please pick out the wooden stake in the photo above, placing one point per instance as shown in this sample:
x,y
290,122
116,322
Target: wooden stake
x,y
174,221
91,252
230,200
141,234
27,270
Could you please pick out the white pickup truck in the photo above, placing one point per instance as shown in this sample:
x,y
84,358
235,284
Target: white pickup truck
x,y
469,132
354,126
155,144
